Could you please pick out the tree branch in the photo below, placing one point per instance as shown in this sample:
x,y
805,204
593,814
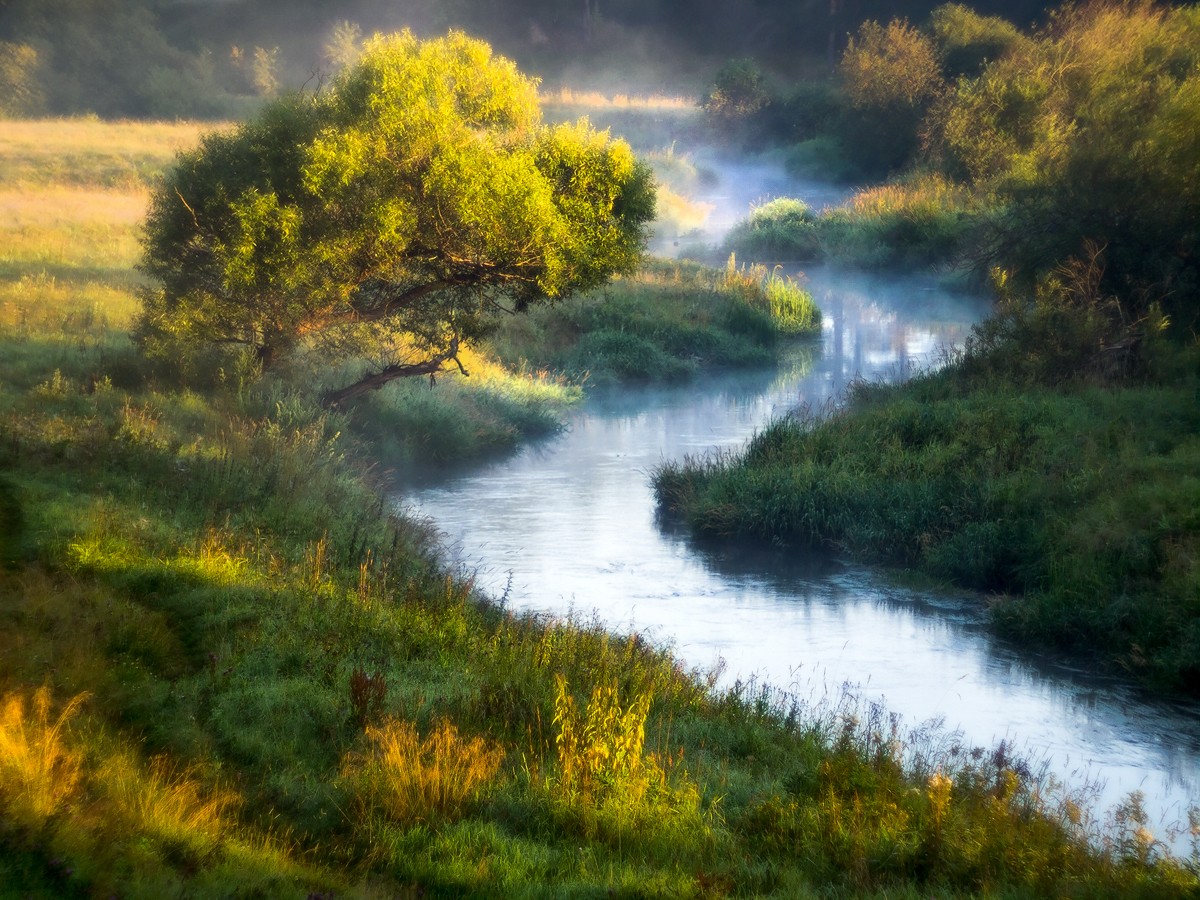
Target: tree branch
x,y
374,381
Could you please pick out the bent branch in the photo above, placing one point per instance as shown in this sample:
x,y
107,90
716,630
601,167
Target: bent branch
x,y
375,380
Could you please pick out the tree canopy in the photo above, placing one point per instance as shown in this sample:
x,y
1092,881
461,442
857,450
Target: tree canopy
x,y
396,209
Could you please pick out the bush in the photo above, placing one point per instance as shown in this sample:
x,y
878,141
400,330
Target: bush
x,y
1089,133
890,76
967,41
783,229
738,93
921,222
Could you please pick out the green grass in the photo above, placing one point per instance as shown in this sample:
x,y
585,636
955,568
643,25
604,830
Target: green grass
x,y
1073,503
667,323
230,670
915,223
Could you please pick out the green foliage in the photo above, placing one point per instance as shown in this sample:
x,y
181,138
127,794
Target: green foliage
x,y
890,76
967,41
20,93
667,323
1009,471
12,524
216,565
920,221
414,197
1087,133
738,93
782,229
110,59
265,71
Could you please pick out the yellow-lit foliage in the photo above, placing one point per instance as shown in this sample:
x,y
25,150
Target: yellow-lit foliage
x,y
916,200
411,779
169,805
607,785
782,297
890,67
600,748
39,773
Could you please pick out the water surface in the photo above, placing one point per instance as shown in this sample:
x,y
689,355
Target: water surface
x,y
569,526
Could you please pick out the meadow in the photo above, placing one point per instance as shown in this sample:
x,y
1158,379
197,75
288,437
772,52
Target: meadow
x,y
228,669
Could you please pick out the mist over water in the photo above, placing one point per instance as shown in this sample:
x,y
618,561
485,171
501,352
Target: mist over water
x,y
729,189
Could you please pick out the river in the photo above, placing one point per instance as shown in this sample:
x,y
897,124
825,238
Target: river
x,y
569,527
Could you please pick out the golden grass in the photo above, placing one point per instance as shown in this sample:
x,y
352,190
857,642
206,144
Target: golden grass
x,y
38,772
598,100
933,193
167,804
87,151
410,779
54,206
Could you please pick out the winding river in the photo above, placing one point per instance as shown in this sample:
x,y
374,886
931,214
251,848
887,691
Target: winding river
x,y
569,527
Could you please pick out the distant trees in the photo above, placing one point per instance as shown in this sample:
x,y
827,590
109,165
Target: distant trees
x,y
108,57
1088,133
389,215
890,76
20,90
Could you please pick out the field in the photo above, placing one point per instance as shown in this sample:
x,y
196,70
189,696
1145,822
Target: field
x,y
226,669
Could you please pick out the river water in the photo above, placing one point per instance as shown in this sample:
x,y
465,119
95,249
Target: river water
x,y
569,527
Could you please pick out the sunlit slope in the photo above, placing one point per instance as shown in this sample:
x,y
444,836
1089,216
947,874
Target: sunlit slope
x,y
226,670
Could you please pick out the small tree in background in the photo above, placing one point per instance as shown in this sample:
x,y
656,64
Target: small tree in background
x,y
344,47
389,216
738,94
890,76
20,92
265,71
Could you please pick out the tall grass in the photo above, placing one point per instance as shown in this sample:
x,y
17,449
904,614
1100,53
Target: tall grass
x,y
271,655
411,779
922,221
919,222
39,773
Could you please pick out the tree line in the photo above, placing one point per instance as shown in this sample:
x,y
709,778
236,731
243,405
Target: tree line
x,y
204,59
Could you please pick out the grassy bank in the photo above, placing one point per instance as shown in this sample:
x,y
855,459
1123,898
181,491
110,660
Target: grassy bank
x,y
227,670
669,322
1033,468
917,222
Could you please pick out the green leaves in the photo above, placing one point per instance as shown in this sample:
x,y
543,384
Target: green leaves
x,y
415,195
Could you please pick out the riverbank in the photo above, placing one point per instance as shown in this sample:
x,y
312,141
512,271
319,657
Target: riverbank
x,y
1057,479
226,668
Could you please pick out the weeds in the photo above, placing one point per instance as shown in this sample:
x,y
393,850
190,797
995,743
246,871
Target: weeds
x,y
427,780
39,773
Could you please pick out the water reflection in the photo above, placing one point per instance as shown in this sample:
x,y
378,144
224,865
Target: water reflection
x,y
571,525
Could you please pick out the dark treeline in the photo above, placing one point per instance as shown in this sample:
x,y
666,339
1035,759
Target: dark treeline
x,y
202,58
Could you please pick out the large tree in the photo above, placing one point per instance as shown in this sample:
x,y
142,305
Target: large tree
x,y
389,215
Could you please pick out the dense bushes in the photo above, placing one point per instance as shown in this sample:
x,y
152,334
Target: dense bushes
x,y
1053,462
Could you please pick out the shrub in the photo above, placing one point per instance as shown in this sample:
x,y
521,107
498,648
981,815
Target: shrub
x,y
783,229
738,93
890,76
20,93
605,784
967,41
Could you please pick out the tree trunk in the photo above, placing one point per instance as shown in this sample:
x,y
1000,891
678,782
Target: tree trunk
x,y
375,380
